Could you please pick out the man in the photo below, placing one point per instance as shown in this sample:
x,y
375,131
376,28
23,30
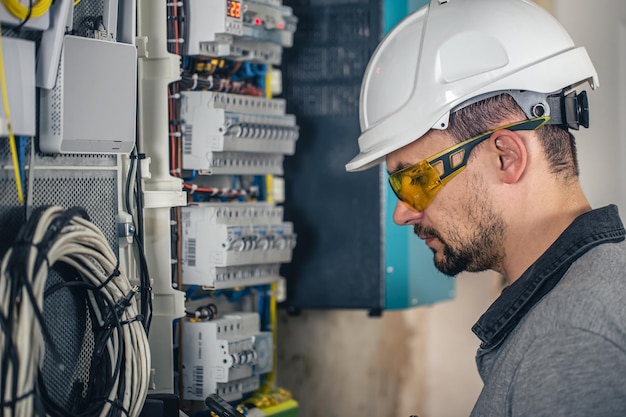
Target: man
x,y
471,103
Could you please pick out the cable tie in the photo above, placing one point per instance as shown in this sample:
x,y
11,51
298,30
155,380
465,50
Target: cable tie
x,y
38,246
194,77
124,302
117,404
194,187
138,317
116,273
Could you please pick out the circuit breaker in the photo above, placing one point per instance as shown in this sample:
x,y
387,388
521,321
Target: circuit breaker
x,y
224,356
229,245
216,126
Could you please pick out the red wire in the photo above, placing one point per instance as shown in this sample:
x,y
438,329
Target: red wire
x,y
176,29
172,131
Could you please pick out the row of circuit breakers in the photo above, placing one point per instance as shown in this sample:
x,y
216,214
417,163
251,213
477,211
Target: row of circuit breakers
x,y
234,244
233,134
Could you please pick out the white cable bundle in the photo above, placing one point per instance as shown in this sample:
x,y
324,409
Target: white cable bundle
x,y
81,245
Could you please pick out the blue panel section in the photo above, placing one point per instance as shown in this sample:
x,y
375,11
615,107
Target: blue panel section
x,y
393,12
411,278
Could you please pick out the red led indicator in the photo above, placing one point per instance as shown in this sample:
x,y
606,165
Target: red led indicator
x,y
280,25
257,21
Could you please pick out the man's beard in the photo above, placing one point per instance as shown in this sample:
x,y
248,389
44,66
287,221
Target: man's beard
x,y
481,251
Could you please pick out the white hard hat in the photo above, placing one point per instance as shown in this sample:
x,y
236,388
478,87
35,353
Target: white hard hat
x,y
451,51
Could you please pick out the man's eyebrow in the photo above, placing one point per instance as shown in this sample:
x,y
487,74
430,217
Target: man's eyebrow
x,y
400,167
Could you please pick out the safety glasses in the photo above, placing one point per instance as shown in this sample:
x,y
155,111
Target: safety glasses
x,y
417,185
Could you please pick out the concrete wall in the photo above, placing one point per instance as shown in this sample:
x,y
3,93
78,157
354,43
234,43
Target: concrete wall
x,y
413,362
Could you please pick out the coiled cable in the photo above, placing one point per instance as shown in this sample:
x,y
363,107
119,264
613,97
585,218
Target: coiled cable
x,y
120,364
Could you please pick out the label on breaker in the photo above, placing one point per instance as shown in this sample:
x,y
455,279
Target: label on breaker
x,y
197,386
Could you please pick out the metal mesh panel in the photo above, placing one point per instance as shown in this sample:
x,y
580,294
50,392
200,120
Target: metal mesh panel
x,y
12,214
86,13
95,191
65,313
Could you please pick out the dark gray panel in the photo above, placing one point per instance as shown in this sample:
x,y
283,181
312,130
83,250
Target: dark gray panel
x,y
338,260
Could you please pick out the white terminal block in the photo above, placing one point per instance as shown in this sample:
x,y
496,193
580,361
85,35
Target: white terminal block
x,y
214,123
206,19
216,236
237,276
239,48
229,351
239,163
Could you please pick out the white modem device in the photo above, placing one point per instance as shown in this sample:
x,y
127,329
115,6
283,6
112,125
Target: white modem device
x,y
92,107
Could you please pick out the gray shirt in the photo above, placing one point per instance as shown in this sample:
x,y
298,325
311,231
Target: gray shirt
x,y
554,343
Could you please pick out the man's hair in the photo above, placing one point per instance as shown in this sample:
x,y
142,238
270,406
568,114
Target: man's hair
x,y
557,143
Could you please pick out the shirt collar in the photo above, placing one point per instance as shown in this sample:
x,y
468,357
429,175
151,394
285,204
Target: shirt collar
x,y
586,231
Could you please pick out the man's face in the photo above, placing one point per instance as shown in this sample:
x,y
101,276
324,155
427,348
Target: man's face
x,y
460,225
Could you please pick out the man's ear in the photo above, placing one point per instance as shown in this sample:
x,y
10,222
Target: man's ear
x,y
512,155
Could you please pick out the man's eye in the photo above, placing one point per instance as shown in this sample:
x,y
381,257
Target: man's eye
x,y
420,179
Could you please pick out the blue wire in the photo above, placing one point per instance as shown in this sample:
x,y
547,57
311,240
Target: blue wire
x,y
233,296
259,70
190,291
262,187
193,176
262,307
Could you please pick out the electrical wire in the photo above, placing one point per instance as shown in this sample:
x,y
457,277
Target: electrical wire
x,y
120,367
175,26
134,172
22,12
5,102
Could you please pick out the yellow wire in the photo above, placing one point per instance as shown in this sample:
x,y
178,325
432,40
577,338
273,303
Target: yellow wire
x,y
269,188
20,11
269,380
269,180
5,102
76,2
268,82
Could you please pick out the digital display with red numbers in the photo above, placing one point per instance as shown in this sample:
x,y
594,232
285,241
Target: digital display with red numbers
x,y
233,8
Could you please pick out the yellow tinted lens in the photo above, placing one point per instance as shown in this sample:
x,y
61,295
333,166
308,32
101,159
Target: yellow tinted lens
x,y
416,185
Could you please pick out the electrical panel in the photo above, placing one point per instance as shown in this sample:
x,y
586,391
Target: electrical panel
x,y
228,139
229,245
226,356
